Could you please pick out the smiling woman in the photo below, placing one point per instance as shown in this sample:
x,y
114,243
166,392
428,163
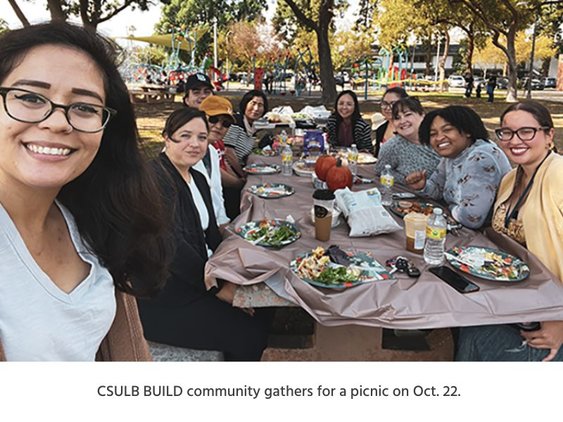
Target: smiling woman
x,y
75,201
403,152
471,168
185,313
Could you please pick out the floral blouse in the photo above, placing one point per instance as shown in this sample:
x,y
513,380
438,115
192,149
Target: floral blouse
x,y
468,183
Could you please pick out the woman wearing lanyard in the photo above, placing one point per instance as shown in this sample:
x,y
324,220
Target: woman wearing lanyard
x,y
529,209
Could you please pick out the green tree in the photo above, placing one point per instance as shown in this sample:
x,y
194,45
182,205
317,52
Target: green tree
x,y
504,19
317,16
3,26
91,12
199,15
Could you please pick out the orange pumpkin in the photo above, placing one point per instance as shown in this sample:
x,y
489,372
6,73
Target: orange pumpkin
x,y
323,164
339,177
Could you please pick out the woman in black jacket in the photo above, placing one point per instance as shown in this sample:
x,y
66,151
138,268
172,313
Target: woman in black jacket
x,y
185,313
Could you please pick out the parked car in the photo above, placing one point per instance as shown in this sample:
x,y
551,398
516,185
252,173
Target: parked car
x,y
502,82
456,81
549,82
536,84
478,80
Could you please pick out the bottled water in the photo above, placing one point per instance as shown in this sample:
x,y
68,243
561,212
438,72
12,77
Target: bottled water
x,y
353,159
387,181
287,160
435,238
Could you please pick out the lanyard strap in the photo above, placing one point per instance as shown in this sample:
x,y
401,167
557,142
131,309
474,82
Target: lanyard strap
x,y
514,212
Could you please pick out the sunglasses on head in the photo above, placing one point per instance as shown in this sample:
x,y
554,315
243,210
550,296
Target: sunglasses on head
x,y
216,119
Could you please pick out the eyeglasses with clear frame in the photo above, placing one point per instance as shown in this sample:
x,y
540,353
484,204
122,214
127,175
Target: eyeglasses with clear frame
x,y
525,134
30,107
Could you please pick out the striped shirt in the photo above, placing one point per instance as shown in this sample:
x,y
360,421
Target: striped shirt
x,y
361,133
238,138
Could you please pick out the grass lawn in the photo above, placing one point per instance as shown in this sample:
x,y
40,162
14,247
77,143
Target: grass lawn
x,y
151,117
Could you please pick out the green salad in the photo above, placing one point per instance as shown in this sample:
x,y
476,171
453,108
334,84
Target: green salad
x,y
273,235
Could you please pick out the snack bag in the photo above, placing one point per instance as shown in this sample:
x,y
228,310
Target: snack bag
x,y
364,212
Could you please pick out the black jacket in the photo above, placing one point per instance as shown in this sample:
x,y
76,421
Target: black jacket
x,y
185,283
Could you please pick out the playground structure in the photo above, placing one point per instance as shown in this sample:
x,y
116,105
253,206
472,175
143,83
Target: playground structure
x,y
174,70
389,68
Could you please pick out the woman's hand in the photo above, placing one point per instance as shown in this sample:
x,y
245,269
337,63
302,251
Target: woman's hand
x,y
549,336
416,180
227,292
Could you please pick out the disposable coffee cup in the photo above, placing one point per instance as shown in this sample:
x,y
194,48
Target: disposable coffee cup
x,y
323,201
415,230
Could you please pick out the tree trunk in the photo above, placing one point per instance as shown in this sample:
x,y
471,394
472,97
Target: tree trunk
x,y
469,53
442,62
56,9
512,93
326,73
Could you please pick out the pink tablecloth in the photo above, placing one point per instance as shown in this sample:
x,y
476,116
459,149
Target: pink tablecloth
x,y
425,302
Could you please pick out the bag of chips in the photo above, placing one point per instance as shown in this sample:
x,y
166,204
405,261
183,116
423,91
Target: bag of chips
x,y
364,212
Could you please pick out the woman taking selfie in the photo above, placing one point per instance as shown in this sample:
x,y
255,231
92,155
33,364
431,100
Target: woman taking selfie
x,y
80,221
345,126
528,209
471,167
185,313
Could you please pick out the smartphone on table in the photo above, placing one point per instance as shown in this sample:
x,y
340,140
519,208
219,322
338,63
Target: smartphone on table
x,y
455,280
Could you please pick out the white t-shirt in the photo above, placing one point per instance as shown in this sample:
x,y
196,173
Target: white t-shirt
x,y
201,209
215,185
39,321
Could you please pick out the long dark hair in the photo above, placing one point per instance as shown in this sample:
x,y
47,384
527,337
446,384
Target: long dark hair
x,y
246,98
356,115
463,118
116,202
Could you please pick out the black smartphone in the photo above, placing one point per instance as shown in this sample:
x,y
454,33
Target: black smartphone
x,y
455,280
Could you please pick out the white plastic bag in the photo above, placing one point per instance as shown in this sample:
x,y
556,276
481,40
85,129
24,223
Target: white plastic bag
x,y
366,216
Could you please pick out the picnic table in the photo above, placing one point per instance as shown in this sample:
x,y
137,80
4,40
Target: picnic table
x,y
152,93
359,313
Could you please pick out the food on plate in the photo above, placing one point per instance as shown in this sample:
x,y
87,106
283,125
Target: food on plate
x,y
366,158
488,263
406,207
335,268
304,168
266,151
275,233
262,169
272,190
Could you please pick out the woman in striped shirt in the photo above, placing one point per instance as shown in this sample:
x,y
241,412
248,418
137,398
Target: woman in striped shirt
x,y
345,126
239,139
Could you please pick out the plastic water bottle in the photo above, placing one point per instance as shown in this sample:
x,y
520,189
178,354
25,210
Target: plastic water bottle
x,y
435,238
287,160
283,138
353,159
387,181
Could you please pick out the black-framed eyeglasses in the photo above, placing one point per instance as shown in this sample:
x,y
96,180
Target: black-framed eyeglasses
x,y
387,105
525,134
30,107
216,119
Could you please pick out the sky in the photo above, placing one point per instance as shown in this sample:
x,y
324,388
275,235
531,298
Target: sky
x,y
143,21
